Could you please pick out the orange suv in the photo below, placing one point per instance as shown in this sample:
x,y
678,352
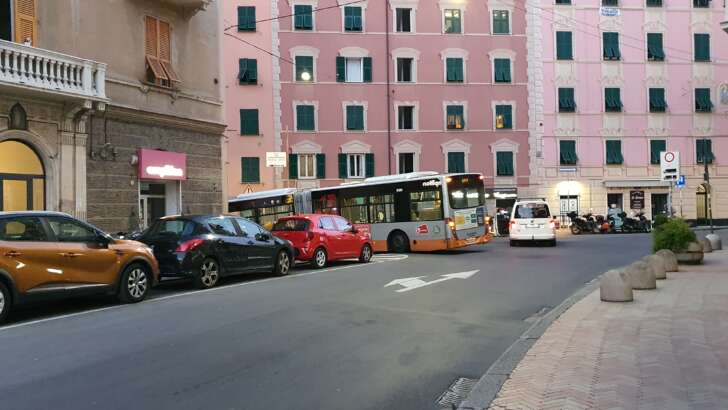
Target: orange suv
x,y
50,254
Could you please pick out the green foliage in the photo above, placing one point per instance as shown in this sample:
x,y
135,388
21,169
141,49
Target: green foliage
x,y
660,220
674,234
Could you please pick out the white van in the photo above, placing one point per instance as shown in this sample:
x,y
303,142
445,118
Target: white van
x,y
531,221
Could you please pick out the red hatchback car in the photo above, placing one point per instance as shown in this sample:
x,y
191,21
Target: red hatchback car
x,y
322,238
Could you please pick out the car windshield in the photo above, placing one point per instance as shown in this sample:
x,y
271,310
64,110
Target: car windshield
x,y
533,210
291,225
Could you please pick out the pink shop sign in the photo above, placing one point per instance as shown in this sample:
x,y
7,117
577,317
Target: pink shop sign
x,y
154,164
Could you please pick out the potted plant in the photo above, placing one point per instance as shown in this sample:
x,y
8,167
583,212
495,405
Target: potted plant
x,y
676,235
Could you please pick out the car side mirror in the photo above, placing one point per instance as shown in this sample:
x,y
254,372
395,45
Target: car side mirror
x,y
103,241
263,237
354,230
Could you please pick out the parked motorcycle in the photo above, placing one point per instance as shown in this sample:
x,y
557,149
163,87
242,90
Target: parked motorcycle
x,y
602,224
579,224
645,225
629,224
616,223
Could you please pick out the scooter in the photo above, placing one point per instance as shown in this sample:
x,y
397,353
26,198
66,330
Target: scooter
x,y
601,224
616,223
645,225
579,224
629,224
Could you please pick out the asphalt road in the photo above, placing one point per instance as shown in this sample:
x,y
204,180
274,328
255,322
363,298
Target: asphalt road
x,y
331,339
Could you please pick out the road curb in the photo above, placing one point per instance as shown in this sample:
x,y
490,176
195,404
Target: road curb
x,y
491,382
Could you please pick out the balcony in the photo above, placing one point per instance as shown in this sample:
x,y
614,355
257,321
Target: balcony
x,y
47,73
192,6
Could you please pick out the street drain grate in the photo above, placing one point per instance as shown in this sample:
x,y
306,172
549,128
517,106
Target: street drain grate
x,y
456,393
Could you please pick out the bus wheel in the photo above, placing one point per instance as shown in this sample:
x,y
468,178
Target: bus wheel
x,y
398,242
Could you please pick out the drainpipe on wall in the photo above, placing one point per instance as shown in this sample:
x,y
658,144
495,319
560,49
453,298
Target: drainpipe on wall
x,y
389,108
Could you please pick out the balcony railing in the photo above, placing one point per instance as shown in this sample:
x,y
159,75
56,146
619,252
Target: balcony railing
x,y
38,69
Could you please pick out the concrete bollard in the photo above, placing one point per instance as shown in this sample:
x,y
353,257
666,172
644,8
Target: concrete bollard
x,y
707,247
669,259
657,264
715,242
616,287
641,276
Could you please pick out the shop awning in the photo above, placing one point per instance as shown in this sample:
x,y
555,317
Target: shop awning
x,y
636,183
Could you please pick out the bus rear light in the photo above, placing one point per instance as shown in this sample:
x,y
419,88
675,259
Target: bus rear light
x,y
187,246
482,177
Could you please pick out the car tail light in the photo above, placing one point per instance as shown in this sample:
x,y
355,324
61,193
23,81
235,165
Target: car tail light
x,y
309,236
187,246
511,224
552,225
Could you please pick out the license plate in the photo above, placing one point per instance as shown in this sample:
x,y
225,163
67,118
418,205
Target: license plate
x,y
532,225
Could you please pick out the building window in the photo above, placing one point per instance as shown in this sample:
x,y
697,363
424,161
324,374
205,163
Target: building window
x,y
702,100
655,52
249,122
250,169
502,70
306,166
612,100
246,18
654,3
404,20
353,19
563,2
657,100
354,69
455,162
304,69
355,118
503,117
158,50
305,118
656,147
22,178
563,45
303,19
248,73
501,23
405,117
610,3
452,21
356,165
567,152
454,70
704,151
404,70
614,152
406,162
610,44
455,117
701,4
566,100
504,163
702,47
18,21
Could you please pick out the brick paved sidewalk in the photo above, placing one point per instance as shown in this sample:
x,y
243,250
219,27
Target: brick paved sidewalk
x,y
666,350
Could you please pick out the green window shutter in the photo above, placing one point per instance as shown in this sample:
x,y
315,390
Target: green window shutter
x,y
702,47
248,73
369,165
455,118
246,18
564,46
657,100
249,122
504,164
504,114
292,166
304,64
655,52
454,69
654,3
702,100
250,169
321,166
342,166
352,19
340,69
566,100
614,152
502,68
354,117
303,19
612,100
704,150
611,46
455,162
305,118
367,69
500,22
567,152
656,147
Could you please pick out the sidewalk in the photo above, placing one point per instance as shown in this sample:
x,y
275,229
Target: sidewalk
x,y
666,350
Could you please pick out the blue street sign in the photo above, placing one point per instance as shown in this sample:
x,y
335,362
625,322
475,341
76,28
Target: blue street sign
x,y
680,182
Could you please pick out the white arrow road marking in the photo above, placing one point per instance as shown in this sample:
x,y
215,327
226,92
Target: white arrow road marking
x,y
415,282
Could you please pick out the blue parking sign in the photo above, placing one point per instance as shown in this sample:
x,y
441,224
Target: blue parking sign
x,y
680,182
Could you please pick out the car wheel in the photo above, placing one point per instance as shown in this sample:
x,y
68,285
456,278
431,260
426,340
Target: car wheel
x,y
320,258
135,283
399,243
283,263
366,254
5,302
208,274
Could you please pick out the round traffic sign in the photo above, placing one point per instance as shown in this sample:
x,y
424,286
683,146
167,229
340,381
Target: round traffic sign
x,y
669,156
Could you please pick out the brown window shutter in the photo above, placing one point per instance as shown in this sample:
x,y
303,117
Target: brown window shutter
x,y
25,21
150,37
165,49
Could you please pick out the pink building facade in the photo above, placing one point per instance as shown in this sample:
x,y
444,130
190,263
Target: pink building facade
x,y
622,81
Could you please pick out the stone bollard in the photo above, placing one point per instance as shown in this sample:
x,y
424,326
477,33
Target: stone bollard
x,y
669,259
693,255
707,247
657,264
641,276
616,287
715,242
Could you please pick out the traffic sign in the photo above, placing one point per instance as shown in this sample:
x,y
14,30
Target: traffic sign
x,y
669,165
680,182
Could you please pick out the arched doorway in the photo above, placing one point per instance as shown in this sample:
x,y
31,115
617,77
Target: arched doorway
x,y
701,204
22,178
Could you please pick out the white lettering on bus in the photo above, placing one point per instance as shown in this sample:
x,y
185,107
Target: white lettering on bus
x,y
433,182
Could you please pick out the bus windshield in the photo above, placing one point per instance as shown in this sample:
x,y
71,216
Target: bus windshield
x,y
466,192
